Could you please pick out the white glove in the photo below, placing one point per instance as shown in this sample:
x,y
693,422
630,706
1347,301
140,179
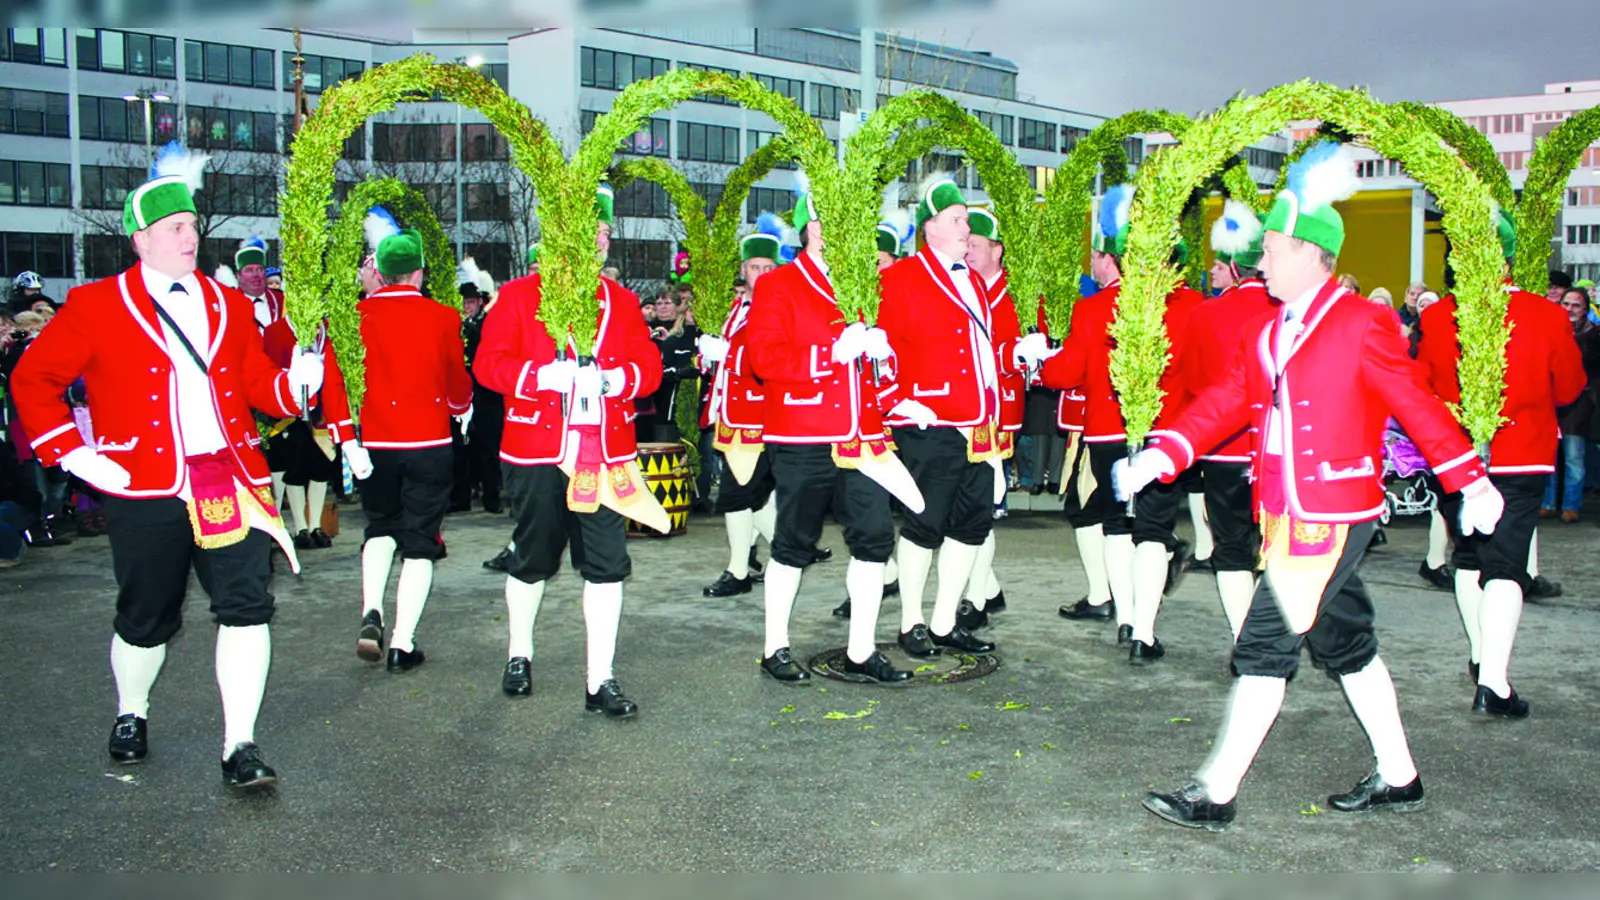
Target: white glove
x,y
850,344
99,471
359,459
1130,475
915,410
557,376
305,373
465,419
1033,350
878,345
616,381
587,383
1481,507
713,349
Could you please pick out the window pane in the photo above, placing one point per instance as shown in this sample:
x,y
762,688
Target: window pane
x,y
30,184
244,131
240,71
193,66
262,69
139,61
586,67
217,129
217,63
166,121
25,46
165,53
8,183
624,71
58,184
89,118
266,136
88,48
55,46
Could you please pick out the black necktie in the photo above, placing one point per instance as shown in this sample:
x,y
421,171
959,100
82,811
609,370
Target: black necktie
x,y
957,267
177,288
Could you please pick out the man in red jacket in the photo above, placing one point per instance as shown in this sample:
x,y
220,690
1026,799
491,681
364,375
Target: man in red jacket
x,y
1216,331
173,364
566,415
1138,550
1544,370
416,379
824,432
944,387
1314,388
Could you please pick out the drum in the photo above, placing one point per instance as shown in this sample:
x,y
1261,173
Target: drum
x,y
666,471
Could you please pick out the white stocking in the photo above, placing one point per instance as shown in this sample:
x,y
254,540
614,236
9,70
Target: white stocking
x,y
863,581
135,669
1238,591
766,520
741,535
1371,694
1149,580
1203,545
377,557
602,614
522,610
1499,618
955,570
781,587
978,591
1119,574
1438,541
1469,600
915,561
416,580
244,655
1091,541
316,499
297,508
1253,706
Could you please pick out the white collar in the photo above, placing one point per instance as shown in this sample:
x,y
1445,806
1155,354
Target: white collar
x,y
948,263
1303,302
159,284
822,264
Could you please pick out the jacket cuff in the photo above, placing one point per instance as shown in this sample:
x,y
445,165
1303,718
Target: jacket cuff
x,y
342,430
1176,447
522,389
56,443
1460,472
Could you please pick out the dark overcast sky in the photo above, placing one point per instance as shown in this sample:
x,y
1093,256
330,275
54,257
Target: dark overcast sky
x,y
1108,57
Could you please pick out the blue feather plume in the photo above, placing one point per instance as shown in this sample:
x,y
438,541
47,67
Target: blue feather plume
x,y
1114,209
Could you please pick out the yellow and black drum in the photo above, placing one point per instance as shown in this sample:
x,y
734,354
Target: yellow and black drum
x,y
666,470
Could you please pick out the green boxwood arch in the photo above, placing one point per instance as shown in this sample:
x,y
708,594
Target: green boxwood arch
x,y
1475,149
1141,351
685,202
346,248
1068,199
320,143
1554,158
722,260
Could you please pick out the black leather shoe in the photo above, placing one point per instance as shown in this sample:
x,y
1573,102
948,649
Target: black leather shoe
x,y
917,642
1176,567
493,507
782,667
1200,565
995,604
1142,654
821,554
244,769
1488,703
1442,578
1542,588
1373,793
1124,635
369,641
517,682
892,589
610,700
1380,537
405,661
499,562
1084,610
727,586
130,739
320,539
875,668
1052,488
302,541
753,563
842,611
970,617
1190,807
963,640
1472,669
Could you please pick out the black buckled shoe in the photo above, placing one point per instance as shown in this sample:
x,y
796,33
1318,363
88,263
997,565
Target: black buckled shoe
x,y
1083,609
1373,793
782,667
369,641
1200,565
995,604
1443,578
130,739
405,660
1142,654
244,769
917,642
875,668
1488,703
1176,567
821,554
727,586
842,611
302,541
1542,589
971,617
320,539
517,680
1124,635
611,701
1190,807
963,640
499,562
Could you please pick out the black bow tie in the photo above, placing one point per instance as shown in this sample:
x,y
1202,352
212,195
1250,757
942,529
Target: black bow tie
x,y
957,267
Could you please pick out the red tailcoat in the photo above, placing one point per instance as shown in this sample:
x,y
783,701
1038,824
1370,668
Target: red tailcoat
x,y
1345,373
1085,359
516,344
277,336
1217,330
736,395
1013,385
416,373
108,332
1544,370
808,398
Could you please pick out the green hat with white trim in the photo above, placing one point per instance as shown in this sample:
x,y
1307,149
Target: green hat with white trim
x,y
1237,235
984,224
1110,234
252,251
533,254
1304,209
605,203
400,254
937,195
1506,231
175,177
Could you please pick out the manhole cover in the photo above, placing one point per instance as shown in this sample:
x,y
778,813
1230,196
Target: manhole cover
x,y
946,668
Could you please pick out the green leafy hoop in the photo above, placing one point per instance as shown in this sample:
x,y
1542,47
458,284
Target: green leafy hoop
x,y
1554,158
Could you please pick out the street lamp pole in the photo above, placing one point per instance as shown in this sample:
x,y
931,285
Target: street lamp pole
x,y
145,96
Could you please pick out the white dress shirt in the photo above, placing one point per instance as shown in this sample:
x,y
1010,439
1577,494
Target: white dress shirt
x,y
198,425
959,273
1291,321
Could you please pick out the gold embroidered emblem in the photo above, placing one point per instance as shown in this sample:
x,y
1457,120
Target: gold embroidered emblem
x,y
585,482
219,511
1311,532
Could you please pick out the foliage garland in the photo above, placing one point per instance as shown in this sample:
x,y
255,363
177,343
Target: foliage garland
x,y
569,217
1068,199
1141,349
345,251
1554,157
1238,184
723,257
320,143
1474,147
686,203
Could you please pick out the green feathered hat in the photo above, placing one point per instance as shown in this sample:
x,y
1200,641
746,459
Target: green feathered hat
x,y
174,178
1111,226
400,254
984,224
533,254
1237,234
937,194
1506,230
252,251
894,230
1304,209
766,242
604,203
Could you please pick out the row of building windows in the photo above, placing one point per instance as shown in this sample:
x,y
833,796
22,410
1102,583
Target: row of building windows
x,y
48,254
40,113
39,46
1379,168
1583,196
641,260
1583,234
653,139
1510,123
35,184
434,142
227,64
708,143
1514,160
998,123
104,50
615,71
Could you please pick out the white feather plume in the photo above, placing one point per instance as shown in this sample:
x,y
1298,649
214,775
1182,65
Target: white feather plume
x,y
225,276
1327,174
899,218
467,271
174,159
485,284
1236,229
379,225
931,179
